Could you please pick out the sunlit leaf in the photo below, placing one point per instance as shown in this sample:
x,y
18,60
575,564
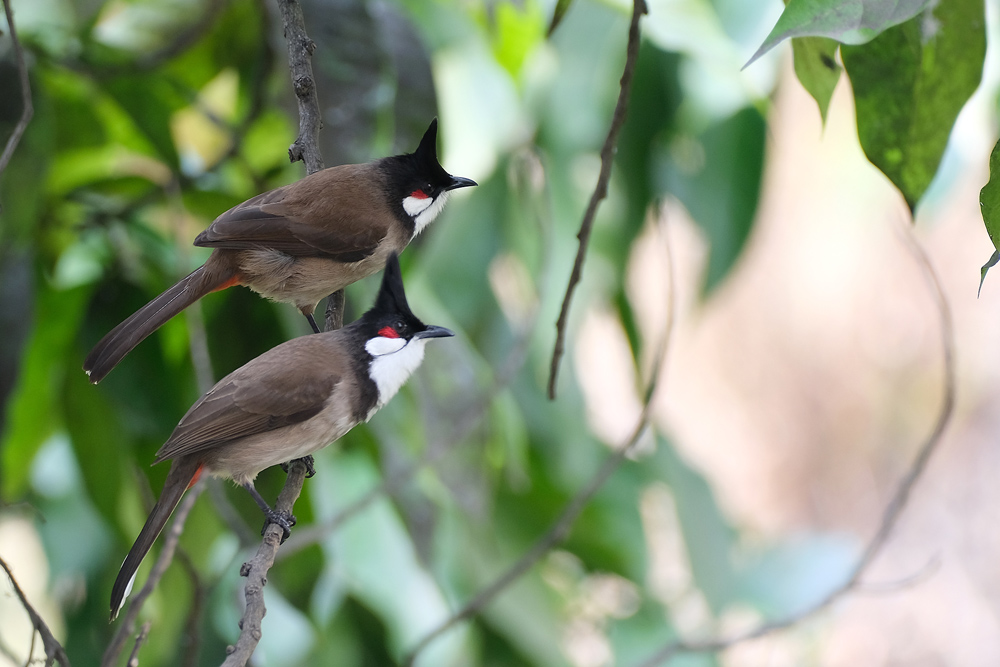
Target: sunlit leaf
x,y
909,85
519,28
816,68
848,22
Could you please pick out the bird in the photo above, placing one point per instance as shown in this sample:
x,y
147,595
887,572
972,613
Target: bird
x,y
302,241
289,402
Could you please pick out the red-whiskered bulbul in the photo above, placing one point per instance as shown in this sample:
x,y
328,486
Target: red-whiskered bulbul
x,y
287,403
302,241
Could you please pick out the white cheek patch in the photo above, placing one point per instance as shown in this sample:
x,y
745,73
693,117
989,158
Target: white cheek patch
x,y
390,370
414,206
381,345
423,211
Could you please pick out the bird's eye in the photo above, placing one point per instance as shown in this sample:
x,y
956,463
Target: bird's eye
x,y
400,326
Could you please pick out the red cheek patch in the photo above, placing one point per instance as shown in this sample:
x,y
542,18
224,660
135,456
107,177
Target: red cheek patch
x,y
418,194
388,332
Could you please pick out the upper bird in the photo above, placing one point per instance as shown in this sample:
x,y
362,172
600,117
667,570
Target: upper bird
x,y
287,403
302,241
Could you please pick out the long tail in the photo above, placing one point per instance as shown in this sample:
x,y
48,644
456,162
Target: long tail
x,y
183,473
123,338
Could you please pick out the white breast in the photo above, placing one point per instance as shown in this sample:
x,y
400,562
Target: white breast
x,y
394,360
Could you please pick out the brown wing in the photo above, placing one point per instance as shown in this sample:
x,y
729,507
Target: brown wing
x,y
335,213
286,385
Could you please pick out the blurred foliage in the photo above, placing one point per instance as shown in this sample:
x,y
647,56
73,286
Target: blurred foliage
x,y
153,116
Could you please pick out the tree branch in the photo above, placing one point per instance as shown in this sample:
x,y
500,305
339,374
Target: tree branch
x,y
255,570
127,628
300,50
560,529
27,110
305,148
54,651
600,190
893,510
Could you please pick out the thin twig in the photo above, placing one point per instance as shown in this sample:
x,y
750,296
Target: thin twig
x,y
890,515
885,587
54,651
560,529
255,570
31,649
27,109
127,627
600,190
133,658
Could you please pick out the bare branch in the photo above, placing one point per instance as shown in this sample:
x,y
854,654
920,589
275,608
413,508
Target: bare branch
x,y
127,628
335,310
133,659
300,50
600,190
27,110
560,529
305,148
890,515
255,570
54,651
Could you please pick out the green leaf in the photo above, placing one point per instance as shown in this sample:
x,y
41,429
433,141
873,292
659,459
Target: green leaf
x,y
989,204
717,177
519,29
33,410
994,258
816,68
97,436
910,84
852,22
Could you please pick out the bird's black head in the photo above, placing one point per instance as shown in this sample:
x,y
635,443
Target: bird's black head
x,y
391,318
393,339
419,183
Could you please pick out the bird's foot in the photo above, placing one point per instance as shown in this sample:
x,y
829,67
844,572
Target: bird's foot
x,y
284,520
309,462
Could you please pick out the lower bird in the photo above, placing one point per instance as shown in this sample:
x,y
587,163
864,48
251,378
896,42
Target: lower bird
x,y
286,404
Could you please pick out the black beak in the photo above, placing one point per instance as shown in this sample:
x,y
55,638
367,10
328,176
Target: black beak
x,y
434,332
459,182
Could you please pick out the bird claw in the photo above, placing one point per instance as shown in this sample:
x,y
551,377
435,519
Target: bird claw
x,y
284,520
309,462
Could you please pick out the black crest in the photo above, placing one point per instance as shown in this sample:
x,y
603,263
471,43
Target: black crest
x,y
427,150
391,295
